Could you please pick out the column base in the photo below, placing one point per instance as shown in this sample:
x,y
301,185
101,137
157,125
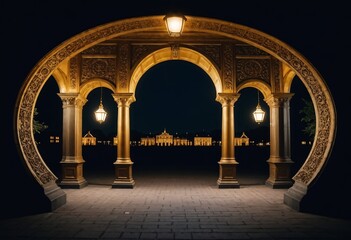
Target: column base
x,y
279,184
72,175
123,184
123,172
227,184
227,174
73,184
279,174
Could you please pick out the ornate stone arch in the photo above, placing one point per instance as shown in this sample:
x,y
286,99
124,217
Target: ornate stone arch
x,y
181,53
90,85
314,82
258,84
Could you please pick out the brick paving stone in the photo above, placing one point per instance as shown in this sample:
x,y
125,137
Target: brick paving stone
x,y
174,208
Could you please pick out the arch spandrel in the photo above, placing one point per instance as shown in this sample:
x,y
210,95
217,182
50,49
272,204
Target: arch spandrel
x,y
315,84
182,53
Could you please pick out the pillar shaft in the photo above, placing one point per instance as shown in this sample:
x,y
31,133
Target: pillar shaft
x,y
227,164
123,164
72,160
280,145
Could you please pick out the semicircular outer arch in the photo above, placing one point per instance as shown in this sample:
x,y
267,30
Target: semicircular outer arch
x,y
315,85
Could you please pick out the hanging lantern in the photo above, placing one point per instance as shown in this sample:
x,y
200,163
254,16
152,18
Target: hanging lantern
x,y
259,113
100,114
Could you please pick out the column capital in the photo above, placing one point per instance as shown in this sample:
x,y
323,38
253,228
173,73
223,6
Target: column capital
x,y
278,99
72,99
124,99
227,98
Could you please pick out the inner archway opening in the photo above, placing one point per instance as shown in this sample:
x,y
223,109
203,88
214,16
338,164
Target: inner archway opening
x,y
175,121
99,149
252,157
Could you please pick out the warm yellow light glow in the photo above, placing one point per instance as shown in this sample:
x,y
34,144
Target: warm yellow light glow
x,y
100,114
175,24
259,114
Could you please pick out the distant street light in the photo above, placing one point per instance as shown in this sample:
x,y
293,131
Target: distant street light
x,y
100,114
259,113
175,24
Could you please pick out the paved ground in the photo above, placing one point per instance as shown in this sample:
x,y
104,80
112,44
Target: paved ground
x,y
174,207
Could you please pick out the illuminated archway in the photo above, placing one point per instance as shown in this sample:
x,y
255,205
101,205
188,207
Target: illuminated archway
x,y
185,54
315,84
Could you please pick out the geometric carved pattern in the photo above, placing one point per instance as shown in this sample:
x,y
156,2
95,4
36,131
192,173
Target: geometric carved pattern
x,y
247,69
74,71
276,74
211,51
139,52
104,68
123,65
228,66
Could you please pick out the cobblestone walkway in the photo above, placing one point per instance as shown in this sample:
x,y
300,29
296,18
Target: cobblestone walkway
x,y
175,207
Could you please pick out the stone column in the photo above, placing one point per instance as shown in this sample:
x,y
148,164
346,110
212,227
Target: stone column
x,y
280,147
72,160
123,164
227,164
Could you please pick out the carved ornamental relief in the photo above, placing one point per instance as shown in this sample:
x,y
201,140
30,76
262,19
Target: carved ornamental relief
x,y
252,69
123,66
104,68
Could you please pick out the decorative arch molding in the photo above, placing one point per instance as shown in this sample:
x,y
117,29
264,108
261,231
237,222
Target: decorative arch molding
x,y
180,53
90,85
258,84
315,84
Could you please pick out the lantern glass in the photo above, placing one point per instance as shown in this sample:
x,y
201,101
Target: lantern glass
x,y
259,113
174,24
100,113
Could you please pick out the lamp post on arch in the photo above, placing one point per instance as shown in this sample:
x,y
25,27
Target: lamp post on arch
x,y
175,24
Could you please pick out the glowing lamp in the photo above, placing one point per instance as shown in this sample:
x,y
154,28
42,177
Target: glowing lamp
x,y
259,113
174,24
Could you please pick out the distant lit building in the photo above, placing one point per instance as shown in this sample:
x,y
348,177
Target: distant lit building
x,y
242,141
202,141
181,141
89,139
147,141
164,139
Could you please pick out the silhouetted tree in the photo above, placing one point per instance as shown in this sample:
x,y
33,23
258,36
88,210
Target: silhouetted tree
x,y
38,127
309,118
